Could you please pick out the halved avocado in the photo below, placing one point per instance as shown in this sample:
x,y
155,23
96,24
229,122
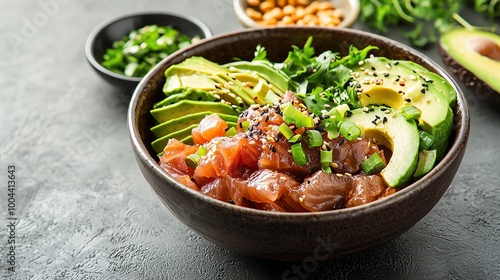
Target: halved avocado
x,y
474,57
386,82
394,131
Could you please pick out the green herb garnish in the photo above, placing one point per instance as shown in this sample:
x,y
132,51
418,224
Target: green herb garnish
x,y
142,49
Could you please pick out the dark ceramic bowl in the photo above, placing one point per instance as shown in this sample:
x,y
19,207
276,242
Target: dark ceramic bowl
x,y
292,236
103,36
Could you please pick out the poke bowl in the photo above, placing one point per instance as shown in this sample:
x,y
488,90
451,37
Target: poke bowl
x,y
268,230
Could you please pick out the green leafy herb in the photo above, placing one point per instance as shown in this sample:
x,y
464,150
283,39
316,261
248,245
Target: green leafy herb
x,y
428,18
324,79
142,49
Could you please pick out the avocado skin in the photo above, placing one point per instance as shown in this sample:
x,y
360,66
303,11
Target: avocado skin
x,y
481,90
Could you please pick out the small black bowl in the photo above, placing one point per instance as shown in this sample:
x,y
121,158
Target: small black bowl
x,y
103,36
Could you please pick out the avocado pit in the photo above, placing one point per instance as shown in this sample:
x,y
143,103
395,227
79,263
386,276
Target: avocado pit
x,y
485,47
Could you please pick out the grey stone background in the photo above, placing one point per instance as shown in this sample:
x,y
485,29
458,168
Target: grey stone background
x,y
84,211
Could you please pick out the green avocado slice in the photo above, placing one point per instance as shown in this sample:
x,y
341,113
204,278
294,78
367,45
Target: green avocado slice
x,y
426,161
183,135
438,82
395,132
173,125
187,107
274,76
191,94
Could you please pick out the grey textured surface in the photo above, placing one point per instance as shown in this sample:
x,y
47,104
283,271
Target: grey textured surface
x,y
84,211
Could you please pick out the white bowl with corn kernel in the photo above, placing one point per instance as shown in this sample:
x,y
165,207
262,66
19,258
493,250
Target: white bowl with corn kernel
x,y
325,13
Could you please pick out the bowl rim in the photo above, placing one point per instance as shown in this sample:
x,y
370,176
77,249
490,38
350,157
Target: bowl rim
x,y
462,129
349,20
91,38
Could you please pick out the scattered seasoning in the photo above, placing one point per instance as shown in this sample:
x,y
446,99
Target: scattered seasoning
x,y
422,90
384,120
333,165
272,148
408,100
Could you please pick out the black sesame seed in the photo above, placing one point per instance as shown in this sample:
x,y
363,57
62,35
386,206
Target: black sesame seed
x,y
341,141
278,137
273,149
408,100
422,90
384,120
231,201
373,68
386,75
367,95
348,113
396,62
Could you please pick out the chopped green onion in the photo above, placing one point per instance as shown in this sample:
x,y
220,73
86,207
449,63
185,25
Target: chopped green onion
x,y
410,112
331,128
245,125
326,156
194,159
304,121
326,168
426,140
286,131
372,165
298,154
350,130
295,138
231,131
292,115
313,138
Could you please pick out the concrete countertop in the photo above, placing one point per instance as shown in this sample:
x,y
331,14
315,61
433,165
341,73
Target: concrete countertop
x,y
84,211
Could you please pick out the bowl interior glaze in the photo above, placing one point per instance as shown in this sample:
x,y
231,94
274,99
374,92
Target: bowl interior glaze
x,y
292,236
